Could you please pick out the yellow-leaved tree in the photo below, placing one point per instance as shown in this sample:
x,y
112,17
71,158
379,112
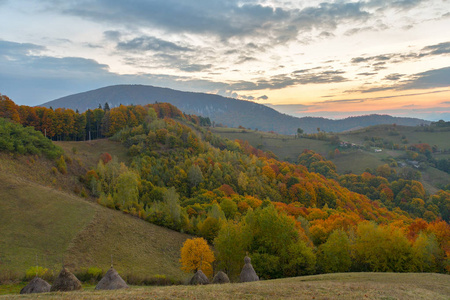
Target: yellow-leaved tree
x,y
196,254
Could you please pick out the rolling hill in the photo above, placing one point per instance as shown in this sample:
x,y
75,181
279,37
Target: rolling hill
x,y
227,111
41,220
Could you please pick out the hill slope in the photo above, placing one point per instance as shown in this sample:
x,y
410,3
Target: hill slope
x,y
228,111
39,220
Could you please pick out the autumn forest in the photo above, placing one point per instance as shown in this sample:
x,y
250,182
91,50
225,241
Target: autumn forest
x,y
292,218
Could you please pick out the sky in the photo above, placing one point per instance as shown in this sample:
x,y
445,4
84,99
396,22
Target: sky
x,y
304,58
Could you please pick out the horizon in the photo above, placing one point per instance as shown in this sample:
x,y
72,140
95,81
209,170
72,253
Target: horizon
x,y
333,59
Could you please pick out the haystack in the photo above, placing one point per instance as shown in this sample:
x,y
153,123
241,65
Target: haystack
x,y
199,278
221,277
111,281
66,281
36,285
248,273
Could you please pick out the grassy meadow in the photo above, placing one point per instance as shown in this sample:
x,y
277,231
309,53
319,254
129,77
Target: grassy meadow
x,y
88,152
41,217
412,135
286,147
327,286
356,161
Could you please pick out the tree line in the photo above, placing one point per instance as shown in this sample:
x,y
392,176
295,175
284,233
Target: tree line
x,y
68,125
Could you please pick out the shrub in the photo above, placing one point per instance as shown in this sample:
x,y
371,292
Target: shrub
x,y
160,280
39,271
91,274
61,165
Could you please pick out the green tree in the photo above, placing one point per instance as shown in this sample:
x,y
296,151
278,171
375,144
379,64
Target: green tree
x,y
127,191
229,207
195,175
426,253
334,254
382,249
301,260
172,202
231,243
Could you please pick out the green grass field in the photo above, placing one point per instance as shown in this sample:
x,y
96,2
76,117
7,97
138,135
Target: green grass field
x,y
413,135
328,286
284,146
89,152
39,219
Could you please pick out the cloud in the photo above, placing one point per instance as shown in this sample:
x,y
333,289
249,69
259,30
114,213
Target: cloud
x,y
31,79
361,100
15,49
149,43
223,19
112,35
367,74
394,76
378,61
428,80
438,49
284,80
196,67
401,4
263,97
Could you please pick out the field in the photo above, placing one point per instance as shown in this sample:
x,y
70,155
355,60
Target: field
x,y
39,219
286,147
412,135
328,286
357,161
89,152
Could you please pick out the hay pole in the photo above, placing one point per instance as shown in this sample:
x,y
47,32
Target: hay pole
x,y
36,265
111,260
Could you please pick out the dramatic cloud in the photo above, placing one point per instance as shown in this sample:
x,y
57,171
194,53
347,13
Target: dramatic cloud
x,y
225,19
288,51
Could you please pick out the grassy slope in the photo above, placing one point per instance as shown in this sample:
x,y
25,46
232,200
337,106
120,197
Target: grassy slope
x,y
357,161
284,146
329,286
37,218
89,152
412,134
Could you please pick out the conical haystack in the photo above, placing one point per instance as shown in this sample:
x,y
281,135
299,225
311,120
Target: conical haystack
x,y
248,273
221,277
66,281
199,278
111,281
36,285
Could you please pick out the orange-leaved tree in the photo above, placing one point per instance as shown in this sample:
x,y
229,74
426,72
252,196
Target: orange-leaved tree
x,y
197,255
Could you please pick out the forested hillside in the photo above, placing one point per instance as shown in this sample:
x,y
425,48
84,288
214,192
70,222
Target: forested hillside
x,y
226,111
292,219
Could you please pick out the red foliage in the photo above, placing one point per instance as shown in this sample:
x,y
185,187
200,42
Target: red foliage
x,y
228,190
105,157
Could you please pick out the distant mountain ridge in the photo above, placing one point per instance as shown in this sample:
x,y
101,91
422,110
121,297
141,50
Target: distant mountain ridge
x,y
228,111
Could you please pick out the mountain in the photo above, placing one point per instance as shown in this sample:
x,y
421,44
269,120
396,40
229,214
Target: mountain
x,y
227,111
